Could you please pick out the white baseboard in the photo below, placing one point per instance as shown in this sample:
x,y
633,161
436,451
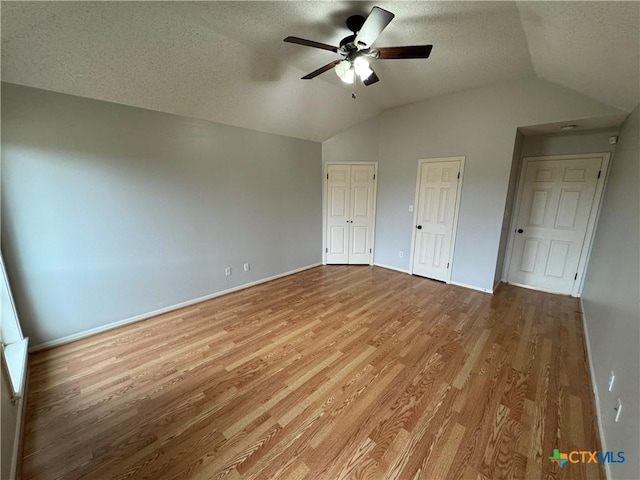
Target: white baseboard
x,y
531,287
391,268
595,389
472,287
483,290
144,316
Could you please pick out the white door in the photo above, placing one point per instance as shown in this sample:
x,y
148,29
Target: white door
x,y
350,213
436,215
338,200
361,217
556,203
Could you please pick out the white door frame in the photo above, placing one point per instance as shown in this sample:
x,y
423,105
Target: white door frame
x,y
591,224
422,162
325,186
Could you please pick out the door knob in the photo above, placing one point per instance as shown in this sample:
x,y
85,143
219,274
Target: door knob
x,y
520,230
419,227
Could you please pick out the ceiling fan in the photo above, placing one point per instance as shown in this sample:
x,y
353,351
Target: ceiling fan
x,y
356,49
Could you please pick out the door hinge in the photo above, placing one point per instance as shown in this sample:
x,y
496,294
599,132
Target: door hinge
x,y
447,265
599,172
371,250
458,175
326,250
576,277
374,176
327,176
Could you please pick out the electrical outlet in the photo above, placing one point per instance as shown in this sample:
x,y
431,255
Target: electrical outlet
x,y
247,267
410,208
612,377
227,271
401,254
618,410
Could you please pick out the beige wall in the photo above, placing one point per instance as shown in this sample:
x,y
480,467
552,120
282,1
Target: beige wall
x,y
611,301
110,212
480,124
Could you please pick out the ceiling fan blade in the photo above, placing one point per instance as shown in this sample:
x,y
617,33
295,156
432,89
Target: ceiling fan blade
x,y
311,43
373,78
317,72
373,26
414,51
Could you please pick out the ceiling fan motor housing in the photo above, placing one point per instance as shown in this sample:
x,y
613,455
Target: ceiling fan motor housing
x,y
355,22
347,43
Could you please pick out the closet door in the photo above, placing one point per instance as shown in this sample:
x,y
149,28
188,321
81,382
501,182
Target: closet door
x,y
338,199
350,213
361,214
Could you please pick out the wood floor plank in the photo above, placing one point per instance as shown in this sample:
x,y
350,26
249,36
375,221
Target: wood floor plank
x,y
337,372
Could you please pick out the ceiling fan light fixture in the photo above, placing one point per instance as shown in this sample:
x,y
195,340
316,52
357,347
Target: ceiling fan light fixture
x,y
362,68
345,71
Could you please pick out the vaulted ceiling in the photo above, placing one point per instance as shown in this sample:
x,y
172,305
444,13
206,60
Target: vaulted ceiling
x,y
226,61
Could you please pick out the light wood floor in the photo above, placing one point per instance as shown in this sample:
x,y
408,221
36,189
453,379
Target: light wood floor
x,y
336,372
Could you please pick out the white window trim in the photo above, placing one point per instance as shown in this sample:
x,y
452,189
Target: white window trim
x,y
14,344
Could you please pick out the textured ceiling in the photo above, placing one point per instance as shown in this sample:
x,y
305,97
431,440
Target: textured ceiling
x,y
226,61
591,47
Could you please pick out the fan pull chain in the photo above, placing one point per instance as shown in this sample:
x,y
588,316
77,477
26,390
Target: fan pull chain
x,y
353,92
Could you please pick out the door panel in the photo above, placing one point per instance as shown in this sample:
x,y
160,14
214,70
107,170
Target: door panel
x,y
339,204
360,207
568,209
422,246
439,251
558,257
359,241
556,203
437,194
538,207
338,241
530,254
